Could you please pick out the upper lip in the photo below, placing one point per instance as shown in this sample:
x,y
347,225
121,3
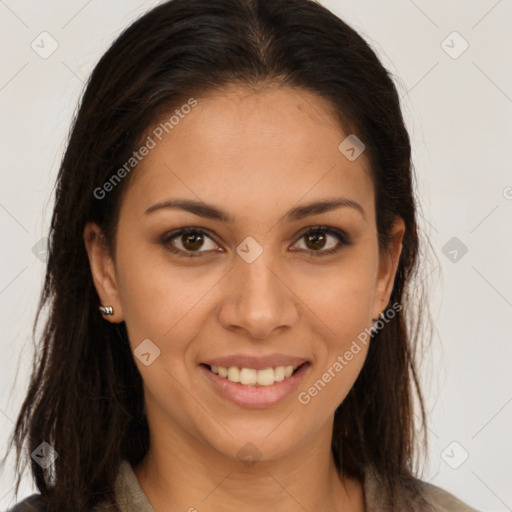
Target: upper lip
x,y
256,362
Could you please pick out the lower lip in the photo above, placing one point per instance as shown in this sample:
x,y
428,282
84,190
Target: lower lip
x,y
255,396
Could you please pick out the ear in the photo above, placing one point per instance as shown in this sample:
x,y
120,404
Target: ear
x,y
103,271
388,264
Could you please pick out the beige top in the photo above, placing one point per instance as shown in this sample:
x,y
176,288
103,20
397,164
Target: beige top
x,y
131,498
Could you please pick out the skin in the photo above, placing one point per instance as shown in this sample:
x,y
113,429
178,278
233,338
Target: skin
x,y
254,154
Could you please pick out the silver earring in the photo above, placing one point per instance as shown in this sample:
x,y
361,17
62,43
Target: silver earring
x,y
380,317
375,321
107,310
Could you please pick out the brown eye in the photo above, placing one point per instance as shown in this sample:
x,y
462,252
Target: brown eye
x,y
192,241
323,240
315,240
189,242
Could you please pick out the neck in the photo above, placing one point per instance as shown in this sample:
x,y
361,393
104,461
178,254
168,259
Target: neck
x,y
183,474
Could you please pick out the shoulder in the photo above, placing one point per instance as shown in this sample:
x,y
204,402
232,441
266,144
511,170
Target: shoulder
x,y
31,504
410,495
443,501
35,503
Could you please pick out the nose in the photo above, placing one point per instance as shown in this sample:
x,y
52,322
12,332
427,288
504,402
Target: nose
x,y
257,299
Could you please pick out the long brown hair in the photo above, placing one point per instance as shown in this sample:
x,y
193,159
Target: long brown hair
x,y
85,395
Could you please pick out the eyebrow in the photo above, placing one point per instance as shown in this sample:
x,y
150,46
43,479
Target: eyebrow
x,y
299,212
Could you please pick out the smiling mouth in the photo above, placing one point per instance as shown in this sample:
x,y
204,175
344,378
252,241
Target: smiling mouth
x,y
253,377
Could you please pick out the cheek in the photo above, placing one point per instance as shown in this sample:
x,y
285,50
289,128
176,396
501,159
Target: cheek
x,y
340,297
328,386
342,303
344,311
154,296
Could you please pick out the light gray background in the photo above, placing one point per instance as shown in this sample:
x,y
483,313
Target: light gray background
x,y
458,113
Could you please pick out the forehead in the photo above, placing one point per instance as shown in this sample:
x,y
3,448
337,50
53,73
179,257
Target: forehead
x,y
250,149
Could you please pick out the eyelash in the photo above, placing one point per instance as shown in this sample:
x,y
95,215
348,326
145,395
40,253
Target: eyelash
x,y
342,237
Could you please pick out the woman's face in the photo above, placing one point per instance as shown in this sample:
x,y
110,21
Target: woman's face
x,y
252,290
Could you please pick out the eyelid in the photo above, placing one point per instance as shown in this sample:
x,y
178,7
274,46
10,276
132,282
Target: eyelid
x,y
342,236
168,237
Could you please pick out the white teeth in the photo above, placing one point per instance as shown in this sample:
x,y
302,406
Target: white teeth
x,y
265,377
251,377
233,374
279,373
248,376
